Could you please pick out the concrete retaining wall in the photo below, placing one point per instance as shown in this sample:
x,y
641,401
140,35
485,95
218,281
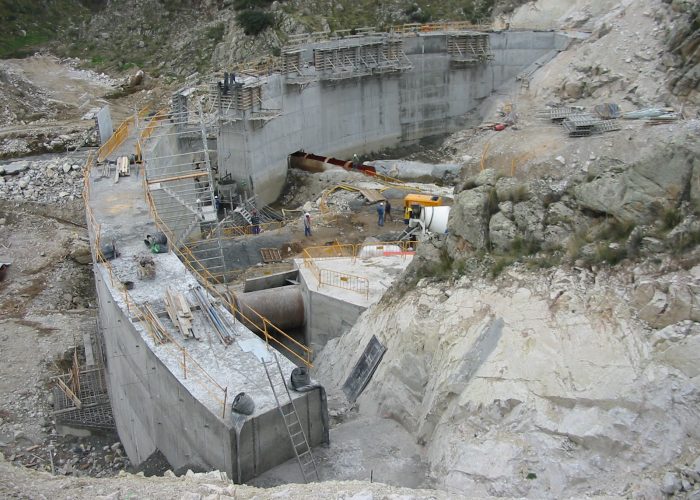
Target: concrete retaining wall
x,y
360,115
153,410
326,317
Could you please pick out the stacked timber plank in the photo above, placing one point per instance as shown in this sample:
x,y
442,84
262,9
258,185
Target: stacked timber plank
x,y
178,310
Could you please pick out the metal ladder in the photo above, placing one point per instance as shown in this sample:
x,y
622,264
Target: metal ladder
x,y
295,430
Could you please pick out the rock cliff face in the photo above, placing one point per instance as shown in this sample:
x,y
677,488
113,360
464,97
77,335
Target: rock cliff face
x,y
542,385
574,371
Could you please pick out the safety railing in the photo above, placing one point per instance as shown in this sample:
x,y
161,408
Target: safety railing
x,y
118,137
347,281
187,363
337,279
269,331
444,26
148,130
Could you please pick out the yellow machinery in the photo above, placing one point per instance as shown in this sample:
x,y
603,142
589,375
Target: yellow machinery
x,y
421,200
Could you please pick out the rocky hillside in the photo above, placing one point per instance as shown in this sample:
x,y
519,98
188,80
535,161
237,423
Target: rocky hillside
x,y
547,346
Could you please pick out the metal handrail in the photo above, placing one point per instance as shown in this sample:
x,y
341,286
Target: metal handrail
x,y
99,257
207,279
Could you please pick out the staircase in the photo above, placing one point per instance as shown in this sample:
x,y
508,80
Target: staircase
x,y
295,429
408,232
243,211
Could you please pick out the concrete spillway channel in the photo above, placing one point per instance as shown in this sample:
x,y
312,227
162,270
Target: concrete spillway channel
x,y
174,394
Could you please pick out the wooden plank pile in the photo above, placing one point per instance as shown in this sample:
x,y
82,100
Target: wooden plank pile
x,y
178,309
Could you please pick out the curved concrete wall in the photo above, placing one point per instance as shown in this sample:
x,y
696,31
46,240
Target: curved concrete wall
x,y
364,114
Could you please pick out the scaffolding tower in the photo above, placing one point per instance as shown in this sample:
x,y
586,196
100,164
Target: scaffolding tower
x,y
181,185
468,48
359,57
239,97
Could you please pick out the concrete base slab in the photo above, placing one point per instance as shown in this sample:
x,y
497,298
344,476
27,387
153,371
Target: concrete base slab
x,y
360,449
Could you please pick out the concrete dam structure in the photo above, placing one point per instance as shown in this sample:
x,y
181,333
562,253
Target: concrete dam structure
x,y
362,94
171,389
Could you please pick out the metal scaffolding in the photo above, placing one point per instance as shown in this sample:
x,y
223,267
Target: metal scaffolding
x,y
181,185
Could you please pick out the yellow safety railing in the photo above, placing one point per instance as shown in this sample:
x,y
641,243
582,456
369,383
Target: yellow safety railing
x,y
359,284
202,377
258,323
148,130
444,26
337,279
118,137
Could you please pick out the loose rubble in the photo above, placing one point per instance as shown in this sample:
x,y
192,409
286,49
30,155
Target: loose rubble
x,y
57,181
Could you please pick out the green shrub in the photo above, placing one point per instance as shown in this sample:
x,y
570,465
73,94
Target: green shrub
x,y
524,246
255,22
616,230
216,32
251,4
478,10
417,15
670,217
605,253
499,264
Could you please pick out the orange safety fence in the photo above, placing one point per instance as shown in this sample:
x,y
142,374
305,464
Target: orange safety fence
x,y
118,137
148,130
338,279
359,284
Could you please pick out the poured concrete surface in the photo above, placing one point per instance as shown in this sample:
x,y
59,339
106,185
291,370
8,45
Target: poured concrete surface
x,y
364,448
158,403
379,271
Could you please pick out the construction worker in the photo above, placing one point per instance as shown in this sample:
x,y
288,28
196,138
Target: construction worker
x,y
355,162
387,211
307,224
380,213
255,221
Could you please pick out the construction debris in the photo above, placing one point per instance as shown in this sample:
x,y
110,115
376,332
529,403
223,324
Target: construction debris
x,y
585,124
178,309
270,255
146,269
153,325
559,113
579,123
641,114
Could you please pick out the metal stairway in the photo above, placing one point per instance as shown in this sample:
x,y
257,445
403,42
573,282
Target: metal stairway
x,y
295,430
245,214
408,232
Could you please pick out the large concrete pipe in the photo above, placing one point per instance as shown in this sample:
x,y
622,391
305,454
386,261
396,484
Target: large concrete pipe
x,y
434,219
282,306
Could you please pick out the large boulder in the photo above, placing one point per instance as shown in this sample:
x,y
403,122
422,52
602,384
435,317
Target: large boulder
x,y
15,168
637,193
509,188
529,219
678,345
665,302
469,218
502,232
